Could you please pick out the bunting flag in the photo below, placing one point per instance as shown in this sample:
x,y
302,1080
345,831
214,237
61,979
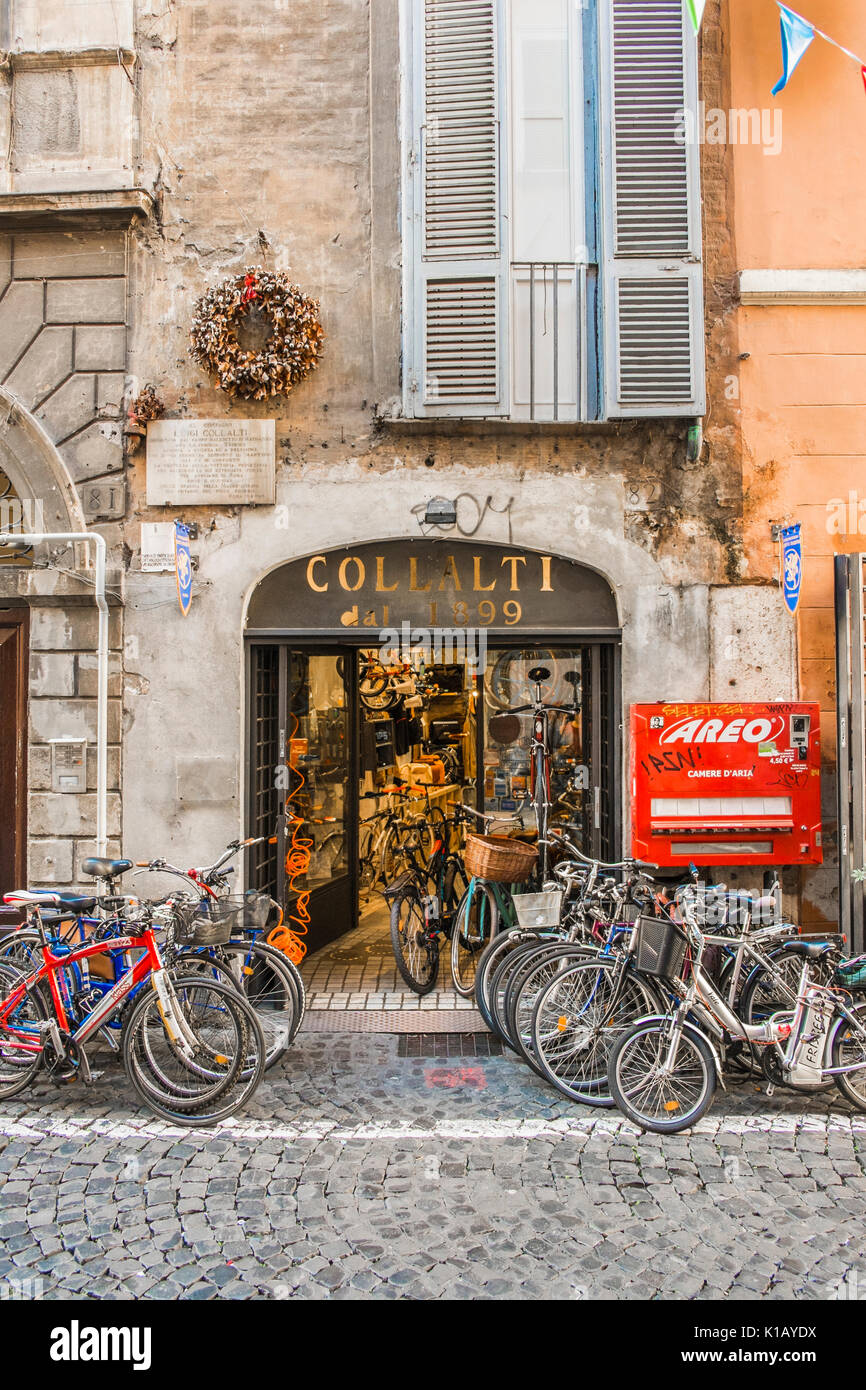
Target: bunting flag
x,y
797,35
696,12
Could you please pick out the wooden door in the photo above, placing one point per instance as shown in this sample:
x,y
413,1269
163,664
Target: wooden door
x,y
13,749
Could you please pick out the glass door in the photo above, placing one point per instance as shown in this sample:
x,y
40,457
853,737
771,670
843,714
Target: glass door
x,y
301,726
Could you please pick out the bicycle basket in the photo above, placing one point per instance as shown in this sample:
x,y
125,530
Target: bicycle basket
x,y
257,910
659,946
499,858
207,923
538,909
851,974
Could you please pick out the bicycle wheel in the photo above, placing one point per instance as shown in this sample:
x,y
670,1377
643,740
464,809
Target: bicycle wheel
x,y
475,925
847,1049
499,984
17,1067
488,962
577,1019
416,950
534,974
228,1063
260,973
652,1095
764,995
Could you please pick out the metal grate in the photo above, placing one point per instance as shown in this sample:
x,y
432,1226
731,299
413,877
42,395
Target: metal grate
x,y
449,1045
265,755
392,1020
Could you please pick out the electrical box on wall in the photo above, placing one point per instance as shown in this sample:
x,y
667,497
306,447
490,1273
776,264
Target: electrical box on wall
x,y
726,783
68,764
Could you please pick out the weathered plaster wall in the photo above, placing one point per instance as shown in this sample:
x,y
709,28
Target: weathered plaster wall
x,y
273,136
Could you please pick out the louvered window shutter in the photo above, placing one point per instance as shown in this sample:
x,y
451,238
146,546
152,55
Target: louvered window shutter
x,y
654,350
454,199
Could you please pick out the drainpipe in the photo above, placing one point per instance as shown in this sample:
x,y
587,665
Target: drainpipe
x,y
92,538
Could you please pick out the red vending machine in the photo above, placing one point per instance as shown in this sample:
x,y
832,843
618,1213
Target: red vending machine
x,y
726,784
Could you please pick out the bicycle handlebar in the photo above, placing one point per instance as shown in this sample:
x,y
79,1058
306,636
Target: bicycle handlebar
x,y
526,709
599,863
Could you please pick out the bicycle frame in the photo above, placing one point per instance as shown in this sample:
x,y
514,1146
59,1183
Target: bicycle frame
x,y
53,963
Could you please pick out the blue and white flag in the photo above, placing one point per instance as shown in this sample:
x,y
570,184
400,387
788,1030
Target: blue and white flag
x,y
797,35
183,566
792,565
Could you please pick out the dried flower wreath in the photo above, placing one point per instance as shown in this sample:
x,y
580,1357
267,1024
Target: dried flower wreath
x,y
293,347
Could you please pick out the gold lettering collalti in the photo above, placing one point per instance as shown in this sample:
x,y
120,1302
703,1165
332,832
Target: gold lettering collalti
x,y
514,571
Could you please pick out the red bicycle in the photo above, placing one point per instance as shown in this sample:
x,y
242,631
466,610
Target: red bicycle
x,y
192,1046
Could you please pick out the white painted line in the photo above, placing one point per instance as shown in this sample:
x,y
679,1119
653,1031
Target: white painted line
x,y
604,1123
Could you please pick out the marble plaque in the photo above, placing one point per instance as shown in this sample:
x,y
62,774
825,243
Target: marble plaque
x,y
201,462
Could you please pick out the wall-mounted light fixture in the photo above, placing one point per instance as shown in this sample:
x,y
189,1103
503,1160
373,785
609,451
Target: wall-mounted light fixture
x,y
440,512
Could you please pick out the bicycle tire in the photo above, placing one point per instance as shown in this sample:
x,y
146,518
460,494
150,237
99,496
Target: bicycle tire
x,y
475,925
16,1075
627,1052
492,953
415,950
573,1029
231,1096
215,1064
275,999
498,986
525,986
837,1043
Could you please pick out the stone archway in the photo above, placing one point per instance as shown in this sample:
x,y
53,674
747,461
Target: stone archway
x,y
35,468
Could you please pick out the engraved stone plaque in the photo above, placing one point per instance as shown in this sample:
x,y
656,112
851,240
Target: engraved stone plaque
x,y
202,462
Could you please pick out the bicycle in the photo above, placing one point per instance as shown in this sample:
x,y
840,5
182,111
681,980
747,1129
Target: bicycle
x,y
424,902
487,903
267,977
193,1049
539,756
664,1069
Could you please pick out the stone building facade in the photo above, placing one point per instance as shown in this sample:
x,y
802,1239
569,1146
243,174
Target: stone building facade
x,y
149,161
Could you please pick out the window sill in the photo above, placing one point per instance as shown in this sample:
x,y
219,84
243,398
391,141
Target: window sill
x,y
473,425
115,206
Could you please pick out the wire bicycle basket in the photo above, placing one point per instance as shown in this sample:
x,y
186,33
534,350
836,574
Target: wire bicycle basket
x,y
659,947
207,923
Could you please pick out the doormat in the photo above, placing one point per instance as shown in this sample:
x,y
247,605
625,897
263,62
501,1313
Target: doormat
x,y
393,1021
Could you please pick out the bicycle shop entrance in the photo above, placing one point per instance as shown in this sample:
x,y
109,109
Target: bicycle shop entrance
x,y
375,674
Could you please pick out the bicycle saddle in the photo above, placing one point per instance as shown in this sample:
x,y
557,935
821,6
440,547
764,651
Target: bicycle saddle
x,y
539,673
105,868
23,897
814,952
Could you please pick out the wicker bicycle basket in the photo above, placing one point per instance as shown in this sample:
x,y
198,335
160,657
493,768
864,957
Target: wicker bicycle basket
x,y
499,858
207,923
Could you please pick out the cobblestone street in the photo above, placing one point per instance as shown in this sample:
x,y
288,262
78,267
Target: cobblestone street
x,y
361,1171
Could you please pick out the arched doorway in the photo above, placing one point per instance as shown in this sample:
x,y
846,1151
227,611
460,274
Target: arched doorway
x,y
36,494
469,620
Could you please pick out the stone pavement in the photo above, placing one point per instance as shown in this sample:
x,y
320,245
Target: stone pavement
x,y
360,1172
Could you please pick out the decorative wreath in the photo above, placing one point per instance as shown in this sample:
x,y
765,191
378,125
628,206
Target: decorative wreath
x,y
291,352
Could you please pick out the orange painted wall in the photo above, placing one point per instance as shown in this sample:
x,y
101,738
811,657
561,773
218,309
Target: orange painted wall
x,y
803,387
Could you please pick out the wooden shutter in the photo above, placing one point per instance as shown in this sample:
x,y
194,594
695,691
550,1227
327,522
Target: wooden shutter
x,y
654,336
454,245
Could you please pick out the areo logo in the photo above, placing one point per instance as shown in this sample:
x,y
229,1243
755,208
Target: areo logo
x,y
722,731
77,1343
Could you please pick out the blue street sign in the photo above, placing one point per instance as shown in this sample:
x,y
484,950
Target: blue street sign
x,y
792,565
183,567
